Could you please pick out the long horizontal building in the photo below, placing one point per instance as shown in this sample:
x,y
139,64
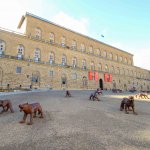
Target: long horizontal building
x,y
48,55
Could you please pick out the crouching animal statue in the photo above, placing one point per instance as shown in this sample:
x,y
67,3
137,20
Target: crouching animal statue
x,y
126,104
6,105
31,109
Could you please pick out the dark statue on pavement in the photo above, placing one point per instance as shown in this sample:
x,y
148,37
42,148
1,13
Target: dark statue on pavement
x,y
6,105
126,104
68,94
31,109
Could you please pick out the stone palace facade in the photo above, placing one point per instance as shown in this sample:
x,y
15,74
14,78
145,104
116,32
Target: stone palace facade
x,y
50,56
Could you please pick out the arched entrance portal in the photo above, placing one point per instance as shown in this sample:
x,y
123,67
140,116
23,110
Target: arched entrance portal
x,y
101,83
35,79
63,80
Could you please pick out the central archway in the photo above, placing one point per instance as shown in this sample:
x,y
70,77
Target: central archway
x,y
101,83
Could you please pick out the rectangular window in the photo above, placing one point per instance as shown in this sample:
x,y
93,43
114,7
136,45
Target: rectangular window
x,y
51,73
18,70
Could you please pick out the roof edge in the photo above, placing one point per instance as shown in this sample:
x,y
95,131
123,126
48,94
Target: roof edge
x,y
21,22
45,20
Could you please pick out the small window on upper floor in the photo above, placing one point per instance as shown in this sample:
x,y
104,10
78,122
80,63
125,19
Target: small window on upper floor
x,y
20,52
18,69
74,44
98,52
52,58
99,67
92,66
84,64
63,41
125,60
64,60
2,47
37,55
106,68
120,58
74,62
52,37
82,47
112,69
111,56
91,50
116,57
51,73
105,54
38,33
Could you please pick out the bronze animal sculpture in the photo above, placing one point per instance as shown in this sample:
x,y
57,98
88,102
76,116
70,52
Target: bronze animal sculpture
x,y
141,95
68,94
31,109
6,105
94,96
126,104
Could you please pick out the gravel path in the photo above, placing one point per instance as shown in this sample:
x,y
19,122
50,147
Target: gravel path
x,y
76,123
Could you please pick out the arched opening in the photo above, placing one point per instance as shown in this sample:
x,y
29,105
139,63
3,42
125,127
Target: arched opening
x,y
63,79
35,79
85,82
101,83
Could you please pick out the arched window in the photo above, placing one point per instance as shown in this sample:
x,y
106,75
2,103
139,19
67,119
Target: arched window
x,y
125,60
111,56
120,58
112,69
74,62
92,66
20,52
84,64
105,54
98,52
2,47
38,33
91,50
106,68
99,67
135,74
64,60
116,57
118,70
82,47
63,41
52,58
52,37
37,55
74,44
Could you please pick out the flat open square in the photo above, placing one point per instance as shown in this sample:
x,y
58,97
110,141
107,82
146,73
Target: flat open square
x,y
76,123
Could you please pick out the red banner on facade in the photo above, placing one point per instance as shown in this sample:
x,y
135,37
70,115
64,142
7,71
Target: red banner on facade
x,y
90,75
96,76
110,78
107,77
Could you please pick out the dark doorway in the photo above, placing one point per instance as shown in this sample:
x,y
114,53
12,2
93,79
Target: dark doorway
x,y
101,84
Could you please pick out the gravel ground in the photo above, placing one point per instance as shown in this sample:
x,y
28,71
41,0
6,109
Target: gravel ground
x,y
76,123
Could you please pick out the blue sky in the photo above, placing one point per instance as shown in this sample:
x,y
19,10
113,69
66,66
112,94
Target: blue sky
x,y
125,24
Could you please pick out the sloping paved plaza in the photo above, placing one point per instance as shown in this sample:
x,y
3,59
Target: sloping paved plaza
x,y
76,123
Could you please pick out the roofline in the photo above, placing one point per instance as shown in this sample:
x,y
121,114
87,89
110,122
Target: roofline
x,y
21,22
45,20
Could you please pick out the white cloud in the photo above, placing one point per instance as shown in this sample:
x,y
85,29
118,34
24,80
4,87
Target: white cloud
x,y
67,21
141,56
12,11
142,59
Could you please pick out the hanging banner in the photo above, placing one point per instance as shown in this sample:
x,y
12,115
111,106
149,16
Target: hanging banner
x,y
110,78
107,77
90,75
96,76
